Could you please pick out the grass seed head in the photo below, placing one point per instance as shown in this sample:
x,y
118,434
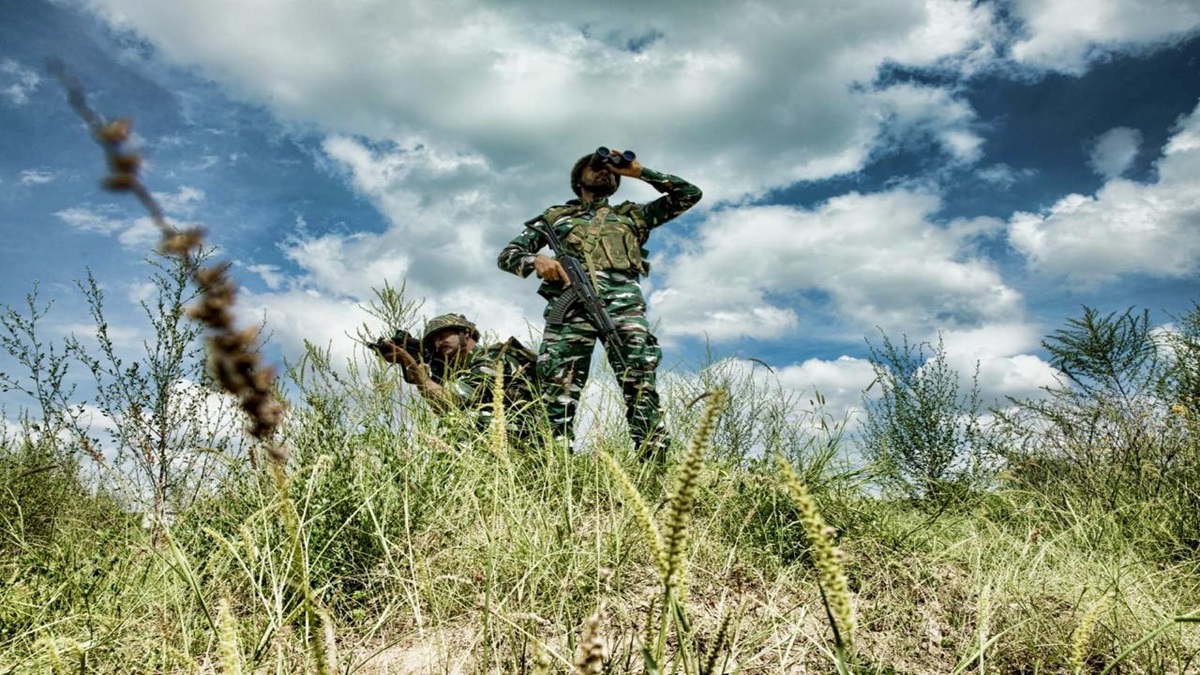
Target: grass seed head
x,y
1083,632
683,500
593,648
826,556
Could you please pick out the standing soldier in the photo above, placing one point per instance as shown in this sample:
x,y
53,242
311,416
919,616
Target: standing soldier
x,y
610,242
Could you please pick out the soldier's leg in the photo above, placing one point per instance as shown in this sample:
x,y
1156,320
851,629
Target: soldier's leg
x,y
564,358
639,380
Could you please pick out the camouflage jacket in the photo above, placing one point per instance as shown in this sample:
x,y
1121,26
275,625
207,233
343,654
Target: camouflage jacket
x,y
626,226
472,385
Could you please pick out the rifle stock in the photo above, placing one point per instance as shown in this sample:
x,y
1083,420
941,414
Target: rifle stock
x,y
581,290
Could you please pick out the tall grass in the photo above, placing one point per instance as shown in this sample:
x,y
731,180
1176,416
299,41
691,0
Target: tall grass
x,y
384,539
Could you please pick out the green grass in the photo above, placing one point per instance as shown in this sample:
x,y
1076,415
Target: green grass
x,y
413,546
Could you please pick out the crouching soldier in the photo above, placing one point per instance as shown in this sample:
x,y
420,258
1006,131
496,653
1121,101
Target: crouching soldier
x,y
464,378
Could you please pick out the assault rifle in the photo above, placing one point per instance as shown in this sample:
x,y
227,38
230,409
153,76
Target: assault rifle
x,y
581,290
405,340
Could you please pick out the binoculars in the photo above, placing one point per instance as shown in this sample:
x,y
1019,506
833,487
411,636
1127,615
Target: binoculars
x,y
605,156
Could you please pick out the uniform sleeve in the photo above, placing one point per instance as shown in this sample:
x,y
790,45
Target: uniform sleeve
x,y
474,383
464,388
678,196
517,257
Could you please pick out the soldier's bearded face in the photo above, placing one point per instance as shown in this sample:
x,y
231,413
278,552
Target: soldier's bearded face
x,y
450,344
600,182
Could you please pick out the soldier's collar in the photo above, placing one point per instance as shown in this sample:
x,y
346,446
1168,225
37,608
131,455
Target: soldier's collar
x,y
595,205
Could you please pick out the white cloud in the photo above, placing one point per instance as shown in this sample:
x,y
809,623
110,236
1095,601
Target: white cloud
x,y
271,275
181,202
17,81
1003,175
294,316
36,177
1002,353
1126,227
122,334
88,220
1065,35
920,112
1113,152
877,259
138,233
740,96
840,381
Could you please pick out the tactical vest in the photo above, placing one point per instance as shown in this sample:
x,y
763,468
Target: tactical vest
x,y
520,370
611,240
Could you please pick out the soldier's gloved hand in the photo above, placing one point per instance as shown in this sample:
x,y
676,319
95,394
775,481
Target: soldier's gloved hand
x,y
550,269
632,169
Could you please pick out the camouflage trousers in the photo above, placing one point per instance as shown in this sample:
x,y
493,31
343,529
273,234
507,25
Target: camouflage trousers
x,y
565,358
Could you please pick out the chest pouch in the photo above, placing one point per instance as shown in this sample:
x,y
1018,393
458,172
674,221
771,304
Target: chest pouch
x,y
607,242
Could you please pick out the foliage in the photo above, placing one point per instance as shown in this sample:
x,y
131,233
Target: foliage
x,y
398,538
1115,435
924,438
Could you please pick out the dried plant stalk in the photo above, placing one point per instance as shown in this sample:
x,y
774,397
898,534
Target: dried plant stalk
x,y
234,357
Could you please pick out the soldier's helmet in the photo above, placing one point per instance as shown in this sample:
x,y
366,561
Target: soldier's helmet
x,y
577,174
440,323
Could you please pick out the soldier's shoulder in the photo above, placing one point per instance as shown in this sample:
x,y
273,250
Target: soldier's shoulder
x,y
569,208
512,350
627,207
514,355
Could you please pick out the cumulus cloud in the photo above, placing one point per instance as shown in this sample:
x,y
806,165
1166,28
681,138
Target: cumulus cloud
x,y
877,258
930,114
17,81
1066,35
1113,152
840,381
1002,353
1126,227
749,95
137,233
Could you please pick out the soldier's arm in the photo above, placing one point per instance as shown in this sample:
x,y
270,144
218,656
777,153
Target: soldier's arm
x,y
519,255
441,398
678,196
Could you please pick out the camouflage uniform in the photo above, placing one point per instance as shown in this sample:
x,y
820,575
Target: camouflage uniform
x,y
471,384
610,242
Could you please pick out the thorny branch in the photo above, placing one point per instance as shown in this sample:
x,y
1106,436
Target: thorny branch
x,y
234,357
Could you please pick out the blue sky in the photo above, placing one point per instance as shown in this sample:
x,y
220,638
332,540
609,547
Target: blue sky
x,y
978,170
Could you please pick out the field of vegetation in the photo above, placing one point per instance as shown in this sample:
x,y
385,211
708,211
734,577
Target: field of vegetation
x,y
140,531
143,530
